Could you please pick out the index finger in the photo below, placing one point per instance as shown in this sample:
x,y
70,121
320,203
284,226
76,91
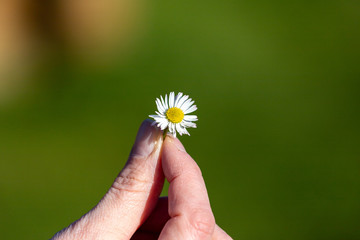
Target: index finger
x,y
188,198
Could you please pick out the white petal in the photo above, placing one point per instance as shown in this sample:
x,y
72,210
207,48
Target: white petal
x,y
171,99
159,105
188,124
162,120
170,126
177,99
166,102
163,103
186,132
183,129
157,118
187,104
182,100
190,118
191,109
160,114
164,125
179,129
174,128
154,116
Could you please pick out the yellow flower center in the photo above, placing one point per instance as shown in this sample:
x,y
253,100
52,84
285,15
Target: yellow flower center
x,y
175,115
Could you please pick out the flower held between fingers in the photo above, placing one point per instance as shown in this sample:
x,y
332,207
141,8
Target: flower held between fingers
x,y
172,113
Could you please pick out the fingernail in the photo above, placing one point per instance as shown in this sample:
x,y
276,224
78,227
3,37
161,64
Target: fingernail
x,y
147,138
177,143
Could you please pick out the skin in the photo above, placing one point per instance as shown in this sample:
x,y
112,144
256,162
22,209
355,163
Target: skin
x,y
132,209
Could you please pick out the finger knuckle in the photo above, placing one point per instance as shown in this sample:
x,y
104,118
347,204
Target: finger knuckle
x,y
203,222
128,183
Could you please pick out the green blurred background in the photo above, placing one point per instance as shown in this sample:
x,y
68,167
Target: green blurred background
x,y
276,84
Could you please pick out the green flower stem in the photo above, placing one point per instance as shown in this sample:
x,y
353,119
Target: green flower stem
x,y
165,133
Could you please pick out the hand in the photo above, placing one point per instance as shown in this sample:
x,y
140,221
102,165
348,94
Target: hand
x,y
132,209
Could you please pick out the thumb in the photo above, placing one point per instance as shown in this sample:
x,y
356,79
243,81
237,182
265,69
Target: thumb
x,y
132,196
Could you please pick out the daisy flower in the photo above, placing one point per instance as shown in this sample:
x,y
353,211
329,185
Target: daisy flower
x,y
172,113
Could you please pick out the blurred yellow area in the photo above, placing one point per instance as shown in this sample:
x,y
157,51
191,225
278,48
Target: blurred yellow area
x,y
96,30
89,31
16,44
